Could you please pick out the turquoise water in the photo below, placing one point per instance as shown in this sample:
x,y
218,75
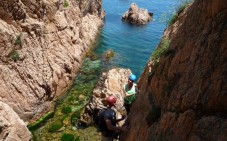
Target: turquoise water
x,y
133,44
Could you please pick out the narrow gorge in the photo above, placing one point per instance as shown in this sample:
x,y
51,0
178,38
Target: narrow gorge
x,y
182,90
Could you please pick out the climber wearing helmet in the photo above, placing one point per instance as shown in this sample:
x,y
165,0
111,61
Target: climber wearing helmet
x,y
130,92
109,121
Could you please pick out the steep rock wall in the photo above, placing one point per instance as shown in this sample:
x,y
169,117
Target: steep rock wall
x,y
41,45
183,97
12,128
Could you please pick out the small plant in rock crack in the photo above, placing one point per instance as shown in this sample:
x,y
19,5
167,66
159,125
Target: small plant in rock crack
x,y
18,40
65,4
14,55
161,50
179,10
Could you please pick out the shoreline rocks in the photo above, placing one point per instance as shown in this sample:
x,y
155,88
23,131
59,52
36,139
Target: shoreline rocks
x,y
135,15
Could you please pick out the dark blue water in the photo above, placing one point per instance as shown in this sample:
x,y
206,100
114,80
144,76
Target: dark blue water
x,y
132,44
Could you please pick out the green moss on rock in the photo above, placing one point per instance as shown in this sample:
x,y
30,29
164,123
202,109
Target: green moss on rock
x,y
66,110
55,126
67,137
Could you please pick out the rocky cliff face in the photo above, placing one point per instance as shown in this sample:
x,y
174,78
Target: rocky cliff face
x,y
183,94
12,128
41,45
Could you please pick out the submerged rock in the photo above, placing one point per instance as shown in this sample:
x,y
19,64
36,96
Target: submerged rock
x,y
137,16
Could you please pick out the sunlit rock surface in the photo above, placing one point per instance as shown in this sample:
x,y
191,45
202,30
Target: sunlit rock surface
x,y
137,15
12,128
42,45
111,83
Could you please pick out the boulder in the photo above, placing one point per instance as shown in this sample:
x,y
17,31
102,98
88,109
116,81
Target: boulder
x,y
136,15
110,83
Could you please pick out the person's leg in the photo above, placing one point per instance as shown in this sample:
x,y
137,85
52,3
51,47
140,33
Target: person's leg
x,y
127,108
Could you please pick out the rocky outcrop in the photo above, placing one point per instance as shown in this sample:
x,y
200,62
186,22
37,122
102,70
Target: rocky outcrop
x,y
137,15
42,45
111,83
183,94
12,128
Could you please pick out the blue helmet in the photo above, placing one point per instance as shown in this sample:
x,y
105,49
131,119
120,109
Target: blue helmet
x,y
132,77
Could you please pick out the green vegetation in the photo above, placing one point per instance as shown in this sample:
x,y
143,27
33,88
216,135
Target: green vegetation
x,y
179,10
65,4
70,106
18,40
40,121
173,19
66,110
75,117
55,126
14,55
161,50
67,137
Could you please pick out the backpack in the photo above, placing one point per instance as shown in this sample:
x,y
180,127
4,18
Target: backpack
x,y
98,119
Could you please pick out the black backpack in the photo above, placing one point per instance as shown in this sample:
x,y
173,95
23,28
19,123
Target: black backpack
x,y
99,117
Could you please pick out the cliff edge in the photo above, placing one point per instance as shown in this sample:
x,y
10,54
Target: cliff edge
x,y
183,91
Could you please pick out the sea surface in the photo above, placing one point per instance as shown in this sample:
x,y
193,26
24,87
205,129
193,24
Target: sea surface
x,y
132,44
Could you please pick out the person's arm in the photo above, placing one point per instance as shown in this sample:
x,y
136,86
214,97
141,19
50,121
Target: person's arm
x,y
122,118
114,128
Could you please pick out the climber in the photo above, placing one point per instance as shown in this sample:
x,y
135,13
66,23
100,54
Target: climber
x,y
109,121
130,92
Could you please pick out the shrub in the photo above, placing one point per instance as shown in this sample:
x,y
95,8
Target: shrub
x,y
14,55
